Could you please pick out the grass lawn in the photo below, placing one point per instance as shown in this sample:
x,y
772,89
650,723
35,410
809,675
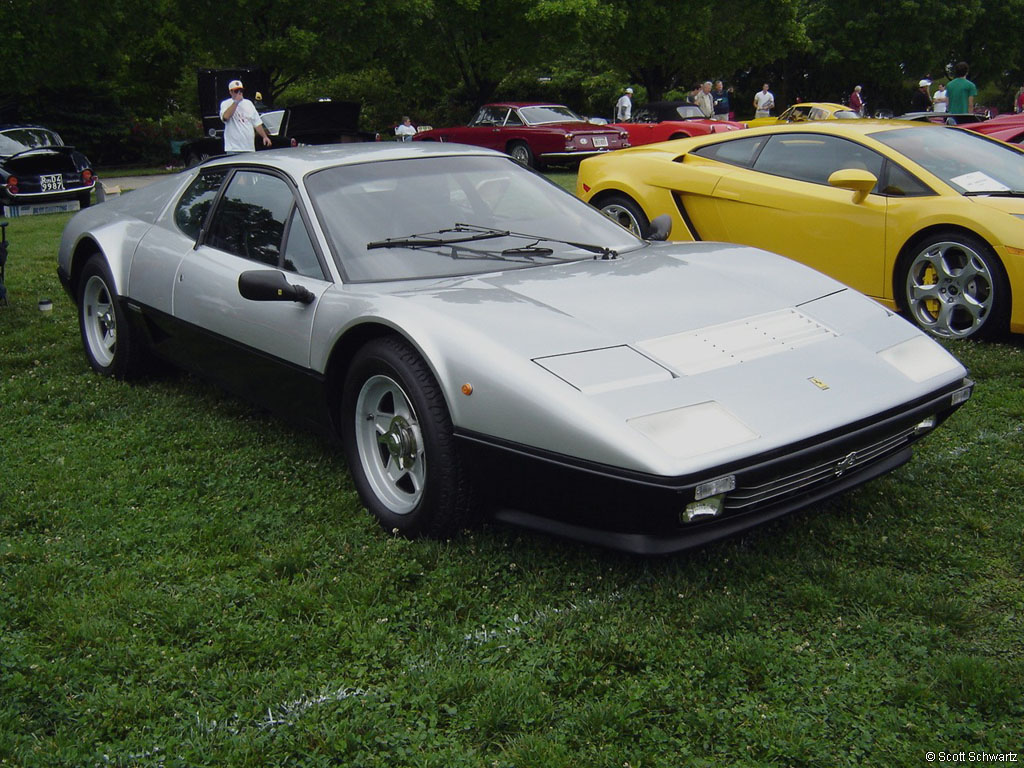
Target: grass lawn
x,y
187,581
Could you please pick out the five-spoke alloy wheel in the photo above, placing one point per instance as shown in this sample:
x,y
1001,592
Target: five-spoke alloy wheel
x,y
954,287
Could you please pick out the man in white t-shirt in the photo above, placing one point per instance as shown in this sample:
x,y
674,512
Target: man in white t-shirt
x,y
940,100
624,107
240,119
406,130
764,102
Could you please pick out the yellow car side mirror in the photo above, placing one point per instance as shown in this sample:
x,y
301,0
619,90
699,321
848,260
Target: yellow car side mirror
x,y
859,181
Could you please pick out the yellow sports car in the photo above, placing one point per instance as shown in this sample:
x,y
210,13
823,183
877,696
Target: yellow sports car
x,y
928,219
799,113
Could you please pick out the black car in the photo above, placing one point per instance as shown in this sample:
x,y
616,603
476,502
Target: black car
x,y
36,167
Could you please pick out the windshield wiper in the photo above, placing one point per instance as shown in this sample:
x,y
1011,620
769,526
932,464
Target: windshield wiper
x,y
423,240
472,232
996,193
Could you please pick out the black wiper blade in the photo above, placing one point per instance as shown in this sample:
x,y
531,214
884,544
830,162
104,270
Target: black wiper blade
x,y
424,240
598,250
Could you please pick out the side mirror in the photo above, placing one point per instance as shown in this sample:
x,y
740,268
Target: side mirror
x,y
859,181
661,227
271,285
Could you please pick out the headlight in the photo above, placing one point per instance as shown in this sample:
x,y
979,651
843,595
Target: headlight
x,y
693,430
919,359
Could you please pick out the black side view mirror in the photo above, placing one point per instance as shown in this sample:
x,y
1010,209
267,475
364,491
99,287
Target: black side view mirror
x,y
271,285
661,227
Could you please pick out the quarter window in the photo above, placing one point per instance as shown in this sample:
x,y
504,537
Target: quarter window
x,y
741,152
195,202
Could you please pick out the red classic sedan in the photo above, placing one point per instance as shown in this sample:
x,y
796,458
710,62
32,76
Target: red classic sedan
x,y
667,120
535,133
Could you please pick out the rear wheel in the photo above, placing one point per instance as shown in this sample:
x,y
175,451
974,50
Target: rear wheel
x,y
521,151
954,287
399,441
626,213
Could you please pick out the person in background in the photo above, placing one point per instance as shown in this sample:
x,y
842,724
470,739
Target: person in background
x,y
940,100
705,101
1018,103
720,98
921,100
856,101
624,107
240,119
764,102
406,130
961,91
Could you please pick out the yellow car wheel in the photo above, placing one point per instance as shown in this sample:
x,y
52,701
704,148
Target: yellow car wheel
x,y
954,287
626,213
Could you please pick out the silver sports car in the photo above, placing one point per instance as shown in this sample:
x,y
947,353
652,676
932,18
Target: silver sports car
x,y
482,341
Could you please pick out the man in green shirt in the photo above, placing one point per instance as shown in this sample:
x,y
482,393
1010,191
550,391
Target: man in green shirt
x,y
961,92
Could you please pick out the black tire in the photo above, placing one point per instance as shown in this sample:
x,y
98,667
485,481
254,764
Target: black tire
x,y
626,213
953,286
521,151
111,344
399,441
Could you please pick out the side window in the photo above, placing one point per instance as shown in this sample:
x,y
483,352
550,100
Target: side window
x,y
299,255
901,183
741,152
809,157
249,221
195,202
513,118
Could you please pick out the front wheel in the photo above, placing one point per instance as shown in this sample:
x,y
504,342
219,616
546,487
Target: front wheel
x,y
398,437
111,344
626,213
954,287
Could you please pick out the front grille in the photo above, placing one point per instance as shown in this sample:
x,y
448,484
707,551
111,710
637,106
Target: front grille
x,y
754,494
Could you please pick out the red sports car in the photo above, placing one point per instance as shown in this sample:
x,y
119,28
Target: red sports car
x,y
1008,128
535,133
666,120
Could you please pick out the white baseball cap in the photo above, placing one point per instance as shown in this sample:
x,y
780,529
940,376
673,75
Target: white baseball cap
x,y
924,82
629,90
235,85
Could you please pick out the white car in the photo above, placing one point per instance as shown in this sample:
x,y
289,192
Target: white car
x,y
482,342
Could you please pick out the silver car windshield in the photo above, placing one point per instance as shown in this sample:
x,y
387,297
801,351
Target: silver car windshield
x,y
965,161
17,140
549,114
364,205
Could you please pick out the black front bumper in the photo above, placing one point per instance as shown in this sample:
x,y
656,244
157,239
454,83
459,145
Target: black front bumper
x,y
642,513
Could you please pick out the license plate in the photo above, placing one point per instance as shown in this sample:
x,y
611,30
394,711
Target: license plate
x,y
53,182
600,141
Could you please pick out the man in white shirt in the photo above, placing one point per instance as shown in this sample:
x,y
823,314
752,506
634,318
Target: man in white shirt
x,y
624,107
939,99
406,130
240,119
764,102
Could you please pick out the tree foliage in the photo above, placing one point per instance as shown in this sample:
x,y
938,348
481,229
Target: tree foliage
x,y
95,68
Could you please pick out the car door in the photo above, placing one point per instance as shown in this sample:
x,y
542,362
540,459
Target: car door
x,y
785,204
257,223
485,129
